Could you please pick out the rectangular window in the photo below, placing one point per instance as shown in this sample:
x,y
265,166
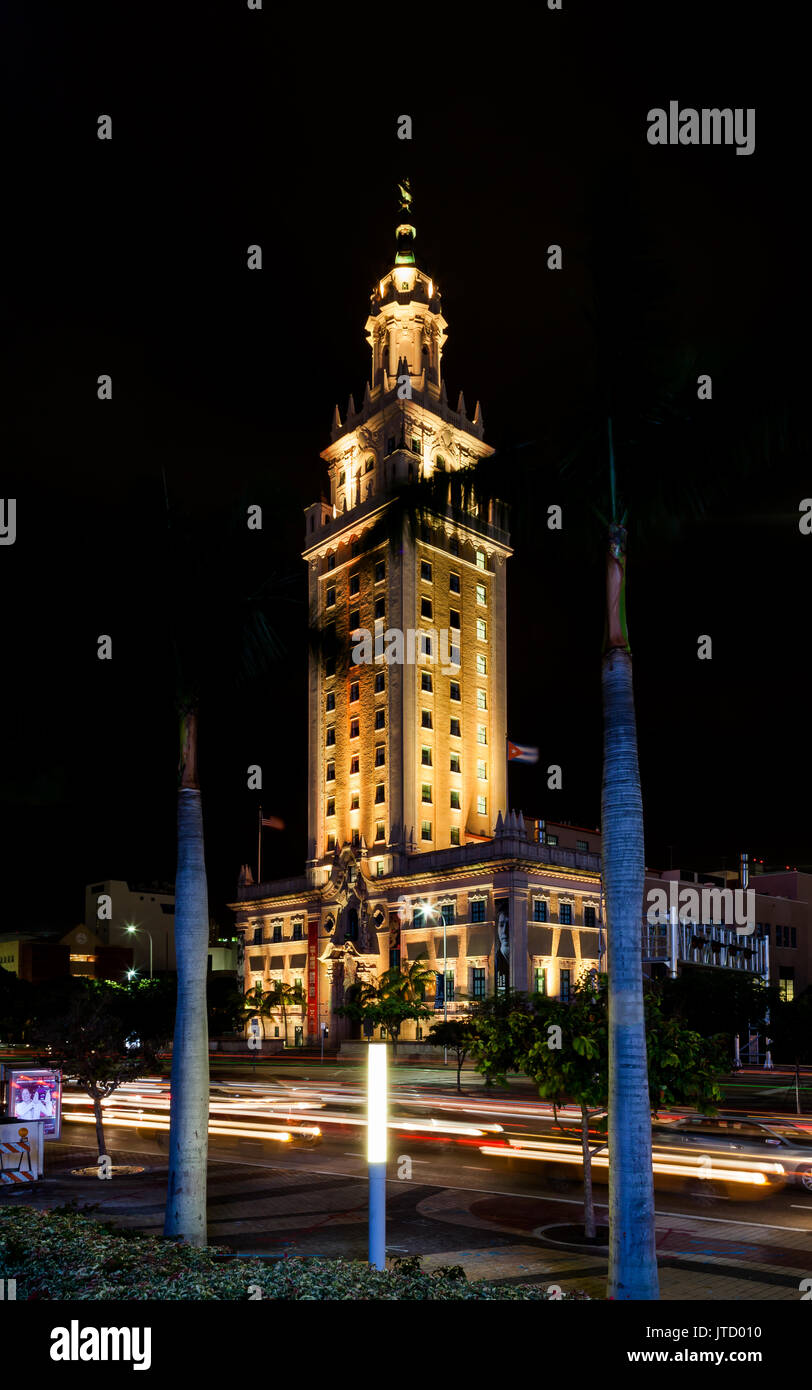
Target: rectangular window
x,y
478,982
380,608
355,619
449,985
454,652
455,801
425,682
380,793
380,682
394,958
565,914
415,444
380,571
447,914
380,830
331,772
331,805
454,692
425,757
455,762
330,597
454,583
331,562
539,910
552,839
331,841
355,728
426,607
355,801
481,664
481,699
481,806
297,931
786,983
455,728
453,545
355,692
425,644
380,868
455,834
380,718
425,791
565,986
330,737
330,702
425,830
355,584
481,770
425,719
390,444
329,666
582,844
380,755
356,838
355,765
477,906
453,617
481,630
277,931
480,559
425,571
481,733
481,595
541,979
589,917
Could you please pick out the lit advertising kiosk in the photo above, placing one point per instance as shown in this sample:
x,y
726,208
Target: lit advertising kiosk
x,y
32,1113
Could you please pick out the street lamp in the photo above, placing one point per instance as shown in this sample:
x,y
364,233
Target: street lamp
x,y
132,931
376,1152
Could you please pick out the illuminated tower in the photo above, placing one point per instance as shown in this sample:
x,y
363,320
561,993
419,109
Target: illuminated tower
x,y
404,755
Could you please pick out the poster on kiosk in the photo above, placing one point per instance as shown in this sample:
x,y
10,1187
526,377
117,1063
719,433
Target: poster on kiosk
x,y
35,1093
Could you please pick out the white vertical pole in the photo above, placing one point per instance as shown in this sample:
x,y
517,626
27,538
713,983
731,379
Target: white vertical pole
x,y
376,1152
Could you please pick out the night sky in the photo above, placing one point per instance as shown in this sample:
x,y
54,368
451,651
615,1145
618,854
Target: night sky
x,y
129,257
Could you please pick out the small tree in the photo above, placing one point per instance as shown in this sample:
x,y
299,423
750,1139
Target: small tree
x,y
98,1039
458,1035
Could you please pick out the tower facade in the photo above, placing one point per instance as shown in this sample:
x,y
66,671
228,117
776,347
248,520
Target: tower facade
x,y
412,854
407,692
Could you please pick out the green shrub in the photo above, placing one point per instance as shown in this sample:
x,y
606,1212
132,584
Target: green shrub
x,y
70,1256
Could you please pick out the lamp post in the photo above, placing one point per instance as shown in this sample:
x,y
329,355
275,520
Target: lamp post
x,y
376,1152
132,931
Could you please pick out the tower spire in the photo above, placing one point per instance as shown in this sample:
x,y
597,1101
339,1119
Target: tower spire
x,y
405,232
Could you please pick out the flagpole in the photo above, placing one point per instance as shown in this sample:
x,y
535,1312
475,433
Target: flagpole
x,y
259,847
507,770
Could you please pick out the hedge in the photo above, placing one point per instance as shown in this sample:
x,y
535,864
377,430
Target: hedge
x,y
67,1255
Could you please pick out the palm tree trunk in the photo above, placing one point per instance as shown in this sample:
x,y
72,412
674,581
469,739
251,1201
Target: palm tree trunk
x,y
589,1205
189,1109
632,1254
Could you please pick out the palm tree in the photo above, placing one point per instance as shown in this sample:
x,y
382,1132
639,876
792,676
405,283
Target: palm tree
x,y
218,630
282,996
258,1003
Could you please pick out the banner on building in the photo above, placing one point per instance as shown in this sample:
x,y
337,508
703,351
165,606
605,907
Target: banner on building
x,y
501,957
312,977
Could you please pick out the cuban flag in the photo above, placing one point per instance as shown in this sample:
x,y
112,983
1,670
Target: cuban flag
x,y
520,753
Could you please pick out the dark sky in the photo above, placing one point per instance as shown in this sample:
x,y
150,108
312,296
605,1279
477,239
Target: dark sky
x,y
128,257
